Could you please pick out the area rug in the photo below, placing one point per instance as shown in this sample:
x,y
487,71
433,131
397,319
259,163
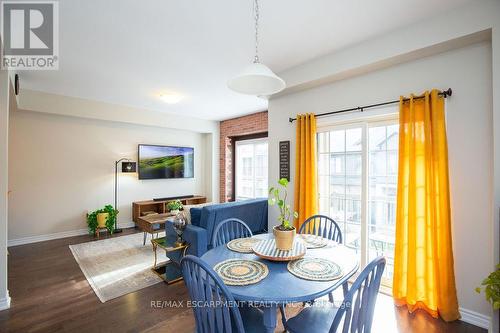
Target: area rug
x,y
117,266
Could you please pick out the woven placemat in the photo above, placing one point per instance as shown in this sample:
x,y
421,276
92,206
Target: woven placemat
x,y
241,272
242,245
313,241
267,249
315,269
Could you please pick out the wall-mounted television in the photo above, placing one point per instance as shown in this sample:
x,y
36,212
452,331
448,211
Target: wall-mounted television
x,y
159,162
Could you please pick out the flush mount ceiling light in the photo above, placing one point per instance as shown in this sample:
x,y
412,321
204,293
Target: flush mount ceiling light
x,y
257,79
171,98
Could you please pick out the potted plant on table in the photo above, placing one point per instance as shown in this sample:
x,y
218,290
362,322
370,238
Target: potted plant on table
x,y
284,233
174,206
102,218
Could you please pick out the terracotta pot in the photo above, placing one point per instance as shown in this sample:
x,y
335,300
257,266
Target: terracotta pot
x,y
101,219
284,239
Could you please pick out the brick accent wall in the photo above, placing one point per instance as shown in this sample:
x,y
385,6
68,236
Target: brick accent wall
x,y
251,124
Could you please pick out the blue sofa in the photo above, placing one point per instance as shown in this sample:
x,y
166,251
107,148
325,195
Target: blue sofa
x,y
204,220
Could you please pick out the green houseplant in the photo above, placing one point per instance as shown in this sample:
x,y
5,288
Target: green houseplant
x,y
174,206
491,288
284,233
103,218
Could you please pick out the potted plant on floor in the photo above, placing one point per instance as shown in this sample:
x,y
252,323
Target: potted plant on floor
x,y
102,218
491,288
284,233
174,206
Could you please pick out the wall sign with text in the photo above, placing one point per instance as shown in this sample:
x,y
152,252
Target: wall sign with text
x,y
285,160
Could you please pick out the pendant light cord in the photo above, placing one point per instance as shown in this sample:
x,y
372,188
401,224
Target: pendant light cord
x,y
256,11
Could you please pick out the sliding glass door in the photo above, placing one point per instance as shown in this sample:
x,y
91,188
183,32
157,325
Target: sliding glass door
x,y
357,180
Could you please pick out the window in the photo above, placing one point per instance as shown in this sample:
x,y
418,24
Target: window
x,y
357,180
251,168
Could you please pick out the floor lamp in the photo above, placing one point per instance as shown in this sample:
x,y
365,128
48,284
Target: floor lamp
x,y
127,167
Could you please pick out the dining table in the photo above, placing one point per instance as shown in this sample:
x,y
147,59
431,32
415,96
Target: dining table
x,y
280,287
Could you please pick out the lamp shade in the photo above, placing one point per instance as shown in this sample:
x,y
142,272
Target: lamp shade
x,y
128,166
257,79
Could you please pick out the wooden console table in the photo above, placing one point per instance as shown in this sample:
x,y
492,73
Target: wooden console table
x,y
141,208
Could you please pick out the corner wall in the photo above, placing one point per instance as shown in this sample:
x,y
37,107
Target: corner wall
x,y
4,147
251,124
61,162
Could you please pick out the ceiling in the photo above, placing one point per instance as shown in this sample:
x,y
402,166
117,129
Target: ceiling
x,y
128,52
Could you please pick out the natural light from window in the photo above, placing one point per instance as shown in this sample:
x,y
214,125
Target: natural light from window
x,y
251,168
357,181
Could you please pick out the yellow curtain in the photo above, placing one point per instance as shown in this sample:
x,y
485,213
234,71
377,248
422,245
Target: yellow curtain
x,y
305,194
423,264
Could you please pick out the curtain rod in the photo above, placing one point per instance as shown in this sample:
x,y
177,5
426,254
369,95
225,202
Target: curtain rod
x,y
445,93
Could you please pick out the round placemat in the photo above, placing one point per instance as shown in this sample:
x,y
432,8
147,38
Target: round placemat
x,y
242,245
313,241
267,249
315,269
241,272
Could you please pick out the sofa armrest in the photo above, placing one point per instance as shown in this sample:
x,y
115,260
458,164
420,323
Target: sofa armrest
x,y
195,236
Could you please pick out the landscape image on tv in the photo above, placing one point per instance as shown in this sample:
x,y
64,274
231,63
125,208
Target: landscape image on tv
x,y
165,162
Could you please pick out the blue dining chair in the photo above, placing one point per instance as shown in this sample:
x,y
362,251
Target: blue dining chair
x,y
356,312
228,230
215,309
323,226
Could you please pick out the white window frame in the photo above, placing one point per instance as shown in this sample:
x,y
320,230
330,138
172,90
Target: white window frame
x,y
390,118
235,160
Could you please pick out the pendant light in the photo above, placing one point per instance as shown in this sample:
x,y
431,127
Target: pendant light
x,y
257,79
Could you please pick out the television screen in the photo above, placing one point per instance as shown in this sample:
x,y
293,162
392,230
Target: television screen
x,y
165,162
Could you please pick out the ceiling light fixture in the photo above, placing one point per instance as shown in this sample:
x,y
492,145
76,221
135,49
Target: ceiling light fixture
x,y
171,98
257,79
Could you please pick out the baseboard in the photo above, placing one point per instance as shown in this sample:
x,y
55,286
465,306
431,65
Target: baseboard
x,y
5,302
475,318
125,225
42,238
57,235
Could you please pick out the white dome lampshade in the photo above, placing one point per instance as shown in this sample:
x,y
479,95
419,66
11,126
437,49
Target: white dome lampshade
x,y
257,79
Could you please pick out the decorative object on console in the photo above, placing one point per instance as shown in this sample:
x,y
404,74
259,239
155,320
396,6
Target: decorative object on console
x,y
174,206
103,218
128,167
179,226
141,208
284,232
257,79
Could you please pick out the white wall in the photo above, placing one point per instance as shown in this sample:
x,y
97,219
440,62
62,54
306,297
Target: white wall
x,y
61,167
470,133
4,121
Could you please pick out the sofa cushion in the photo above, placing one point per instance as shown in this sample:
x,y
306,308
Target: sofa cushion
x,y
187,210
195,216
253,212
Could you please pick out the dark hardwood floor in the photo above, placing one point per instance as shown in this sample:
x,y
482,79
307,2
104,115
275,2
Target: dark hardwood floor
x,y
50,294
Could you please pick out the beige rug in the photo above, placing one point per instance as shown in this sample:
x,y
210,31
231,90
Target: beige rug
x,y
117,266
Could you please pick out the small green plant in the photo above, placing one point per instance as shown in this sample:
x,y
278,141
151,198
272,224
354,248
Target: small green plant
x,y
174,205
110,221
491,287
278,197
